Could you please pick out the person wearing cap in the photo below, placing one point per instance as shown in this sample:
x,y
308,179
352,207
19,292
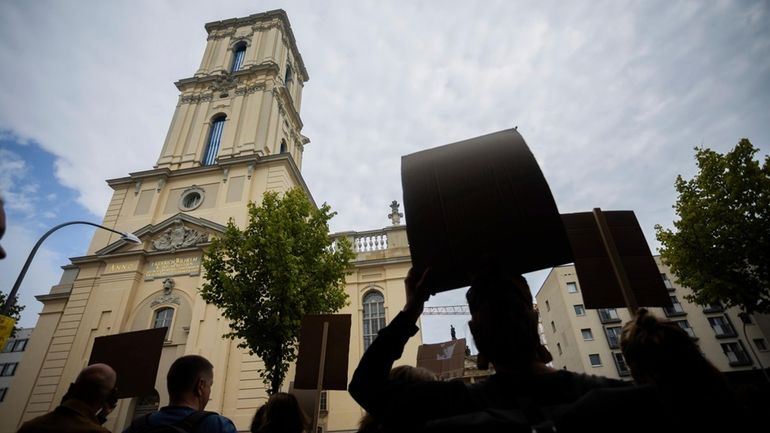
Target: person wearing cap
x,y
523,391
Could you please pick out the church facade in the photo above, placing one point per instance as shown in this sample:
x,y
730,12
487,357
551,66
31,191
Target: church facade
x,y
235,134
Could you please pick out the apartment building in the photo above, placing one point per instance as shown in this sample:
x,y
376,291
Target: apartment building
x,y
588,340
10,357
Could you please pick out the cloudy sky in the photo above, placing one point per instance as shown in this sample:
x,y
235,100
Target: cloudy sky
x,y
611,97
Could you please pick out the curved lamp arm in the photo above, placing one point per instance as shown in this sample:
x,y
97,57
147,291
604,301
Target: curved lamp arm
x,y
11,299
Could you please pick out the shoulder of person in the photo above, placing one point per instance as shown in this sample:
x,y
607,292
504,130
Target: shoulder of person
x,y
214,422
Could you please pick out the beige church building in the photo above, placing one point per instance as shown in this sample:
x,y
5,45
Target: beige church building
x,y
235,134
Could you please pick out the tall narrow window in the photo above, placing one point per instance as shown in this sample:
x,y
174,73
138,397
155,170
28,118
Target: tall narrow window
x,y
374,316
163,318
289,75
613,336
215,138
283,146
238,54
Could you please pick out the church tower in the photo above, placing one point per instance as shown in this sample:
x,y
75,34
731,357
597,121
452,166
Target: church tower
x,y
236,132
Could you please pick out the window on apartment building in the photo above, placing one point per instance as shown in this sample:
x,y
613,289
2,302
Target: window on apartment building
x,y
685,325
553,326
736,354
239,53
579,310
595,360
587,334
215,139
3,392
722,327
547,305
620,364
558,348
20,345
8,369
613,336
163,318
283,146
675,309
666,281
374,316
760,344
16,345
607,315
572,287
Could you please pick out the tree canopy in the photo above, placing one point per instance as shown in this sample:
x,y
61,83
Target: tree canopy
x,y
14,313
268,275
721,246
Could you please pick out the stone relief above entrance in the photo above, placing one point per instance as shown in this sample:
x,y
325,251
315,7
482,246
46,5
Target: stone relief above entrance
x,y
178,237
166,297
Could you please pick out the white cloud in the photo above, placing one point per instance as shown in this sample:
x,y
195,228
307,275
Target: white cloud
x,y
610,97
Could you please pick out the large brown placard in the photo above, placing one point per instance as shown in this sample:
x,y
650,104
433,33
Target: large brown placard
x,y
598,282
337,347
477,199
134,356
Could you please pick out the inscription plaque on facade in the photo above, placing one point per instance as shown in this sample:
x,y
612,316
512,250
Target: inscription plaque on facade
x,y
170,267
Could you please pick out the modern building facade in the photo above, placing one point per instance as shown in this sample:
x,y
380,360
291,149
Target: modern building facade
x,y
10,358
588,341
236,133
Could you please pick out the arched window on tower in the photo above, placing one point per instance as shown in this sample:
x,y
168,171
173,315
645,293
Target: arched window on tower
x,y
239,52
215,138
289,75
374,316
283,146
163,318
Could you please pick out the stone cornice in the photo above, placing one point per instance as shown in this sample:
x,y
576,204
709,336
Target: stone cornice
x,y
52,296
377,262
226,28
237,76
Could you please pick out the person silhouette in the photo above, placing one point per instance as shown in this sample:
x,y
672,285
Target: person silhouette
x,y
504,326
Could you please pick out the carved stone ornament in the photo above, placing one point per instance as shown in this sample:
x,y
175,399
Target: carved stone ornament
x,y
250,89
178,237
224,83
219,34
166,297
196,98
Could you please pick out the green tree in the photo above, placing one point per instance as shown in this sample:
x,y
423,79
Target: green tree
x,y
721,246
279,268
15,313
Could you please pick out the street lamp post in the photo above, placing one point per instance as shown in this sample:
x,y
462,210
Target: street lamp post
x,y
130,237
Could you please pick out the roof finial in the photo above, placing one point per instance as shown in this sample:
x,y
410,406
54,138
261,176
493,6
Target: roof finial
x,y
395,215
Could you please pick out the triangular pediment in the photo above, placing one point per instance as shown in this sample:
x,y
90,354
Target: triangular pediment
x,y
181,231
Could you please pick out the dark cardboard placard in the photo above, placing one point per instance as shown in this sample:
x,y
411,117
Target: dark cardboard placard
x,y
599,286
479,198
134,356
446,360
337,346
